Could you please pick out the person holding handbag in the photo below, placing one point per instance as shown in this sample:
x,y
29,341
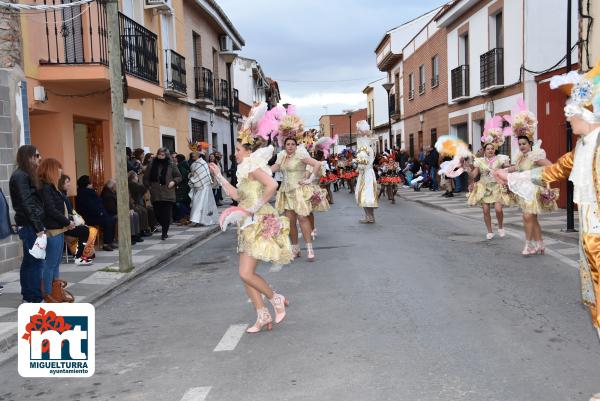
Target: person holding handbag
x,y
56,221
29,213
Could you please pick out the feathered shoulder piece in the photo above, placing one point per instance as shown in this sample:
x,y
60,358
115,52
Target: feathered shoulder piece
x,y
257,160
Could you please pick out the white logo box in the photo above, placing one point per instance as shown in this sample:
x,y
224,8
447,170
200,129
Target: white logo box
x,y
77,362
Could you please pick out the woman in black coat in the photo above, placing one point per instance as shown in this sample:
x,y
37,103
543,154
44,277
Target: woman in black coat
x,y
91,208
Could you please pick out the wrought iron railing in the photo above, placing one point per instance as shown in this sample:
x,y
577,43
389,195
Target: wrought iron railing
x,y
138,49
422,88
411,94
236,101
492,68
175,64
79,35
460,81
203,82
222,93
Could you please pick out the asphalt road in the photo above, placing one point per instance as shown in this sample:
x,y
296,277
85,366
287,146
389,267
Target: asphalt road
x,y
416,307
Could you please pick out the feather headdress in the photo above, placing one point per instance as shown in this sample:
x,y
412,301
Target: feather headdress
x,y
493,133
584,91
362,128
450,146
522,121
325,143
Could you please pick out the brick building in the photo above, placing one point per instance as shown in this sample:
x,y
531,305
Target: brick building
x,y
425,88
342,125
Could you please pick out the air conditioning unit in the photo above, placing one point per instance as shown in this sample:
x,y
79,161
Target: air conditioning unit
x,y
226,43
159,5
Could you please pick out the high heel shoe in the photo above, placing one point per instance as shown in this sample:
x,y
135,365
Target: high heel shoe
x,y
263,319
313,234
310,253
539,248
279,303
527,249
295,251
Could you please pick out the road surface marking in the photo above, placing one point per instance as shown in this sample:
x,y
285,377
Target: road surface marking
x,y
231,338
196,394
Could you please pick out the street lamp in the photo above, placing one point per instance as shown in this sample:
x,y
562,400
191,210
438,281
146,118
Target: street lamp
x,y
388,87
228,57
349,114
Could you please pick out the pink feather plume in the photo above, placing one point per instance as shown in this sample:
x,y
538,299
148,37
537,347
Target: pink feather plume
x,y
232,215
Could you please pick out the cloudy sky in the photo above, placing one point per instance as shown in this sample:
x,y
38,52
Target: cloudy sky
x,y
329,43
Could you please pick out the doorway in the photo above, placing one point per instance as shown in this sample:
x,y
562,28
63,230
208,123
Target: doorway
x,y
89,151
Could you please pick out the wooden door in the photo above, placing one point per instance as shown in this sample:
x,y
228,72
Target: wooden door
x,y
552,128
96,154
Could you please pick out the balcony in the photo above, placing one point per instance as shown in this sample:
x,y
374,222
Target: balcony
x,y
77,51
203,85
492,70
421,88
411,94
222,95
460,83
435,81
175,68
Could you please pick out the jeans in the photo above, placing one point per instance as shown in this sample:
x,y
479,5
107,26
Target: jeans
x,y
54,250
434,182
31,268
458,184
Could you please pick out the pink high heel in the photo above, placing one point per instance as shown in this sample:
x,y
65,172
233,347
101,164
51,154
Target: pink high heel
x,y
310,253
279,303
295,251
263,319
527,251
539,248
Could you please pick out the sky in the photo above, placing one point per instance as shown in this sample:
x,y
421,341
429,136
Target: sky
x,y
330,43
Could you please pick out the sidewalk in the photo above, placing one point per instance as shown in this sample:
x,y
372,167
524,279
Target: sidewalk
x,y
552,224
90,283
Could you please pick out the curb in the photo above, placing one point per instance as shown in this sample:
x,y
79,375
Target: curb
x,y
550,234
8,339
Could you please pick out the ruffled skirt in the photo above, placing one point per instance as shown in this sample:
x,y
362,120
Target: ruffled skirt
x,y
318,200
541,204
492,192
297,200
268,239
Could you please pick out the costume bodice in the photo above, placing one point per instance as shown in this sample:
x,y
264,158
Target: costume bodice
x,y
486,167
292,169
250,192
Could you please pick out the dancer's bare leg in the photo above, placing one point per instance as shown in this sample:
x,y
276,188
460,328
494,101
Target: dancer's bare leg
x,y
255,284
487,217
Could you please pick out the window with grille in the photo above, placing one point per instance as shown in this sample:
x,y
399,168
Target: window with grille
x,y
199,130
435,71
421,79
433,136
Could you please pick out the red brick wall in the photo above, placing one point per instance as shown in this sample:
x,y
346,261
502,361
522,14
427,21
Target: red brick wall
x,y
341,122
432,119
432,97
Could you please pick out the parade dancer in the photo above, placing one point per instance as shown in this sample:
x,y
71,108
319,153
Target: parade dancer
x,y
523,125
487,191
366,193
262,234
581,167
294,195
389,179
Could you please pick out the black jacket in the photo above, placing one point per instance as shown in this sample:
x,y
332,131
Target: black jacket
x,y
109,199
26,201
54,208
90,206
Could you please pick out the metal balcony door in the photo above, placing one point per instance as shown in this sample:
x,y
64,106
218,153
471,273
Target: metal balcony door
x,y
71,29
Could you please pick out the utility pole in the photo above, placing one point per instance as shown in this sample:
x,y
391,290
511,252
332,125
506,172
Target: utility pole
x,y
118,125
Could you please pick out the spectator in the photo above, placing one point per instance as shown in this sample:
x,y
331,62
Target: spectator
x,y
83,237
130,163
109,199
92,210
147,159
181,213
214,183
204,209
136,199
232,173
29,216
161,178
433,160
138,158
56,221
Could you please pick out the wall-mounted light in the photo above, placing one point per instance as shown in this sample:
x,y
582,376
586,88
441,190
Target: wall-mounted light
x,y
211,117
421,118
